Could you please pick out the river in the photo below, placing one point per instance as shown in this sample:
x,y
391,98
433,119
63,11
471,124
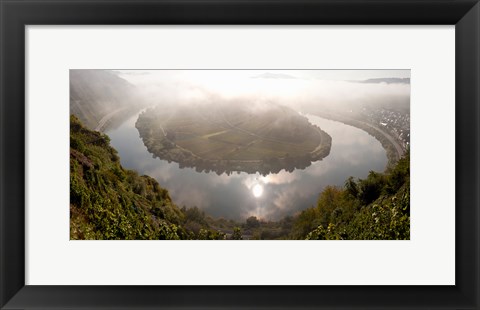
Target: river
x,y
353,153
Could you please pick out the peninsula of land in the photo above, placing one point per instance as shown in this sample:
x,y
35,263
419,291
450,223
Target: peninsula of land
x,y
233,137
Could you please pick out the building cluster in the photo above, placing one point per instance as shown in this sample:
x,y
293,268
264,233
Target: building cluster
x,y
395,123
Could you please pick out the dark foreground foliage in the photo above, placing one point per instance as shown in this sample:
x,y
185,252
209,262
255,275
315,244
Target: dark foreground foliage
x,y
377,207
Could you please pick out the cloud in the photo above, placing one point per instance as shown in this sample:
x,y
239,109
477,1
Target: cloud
x,y
174,88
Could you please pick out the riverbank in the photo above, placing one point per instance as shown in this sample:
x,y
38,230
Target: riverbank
x,y
116,118
392,147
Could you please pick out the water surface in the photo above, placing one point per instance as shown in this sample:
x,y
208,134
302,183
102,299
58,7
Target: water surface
x,y
353,153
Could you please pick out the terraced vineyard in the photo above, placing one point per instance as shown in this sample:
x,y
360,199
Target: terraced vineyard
x,y
228,138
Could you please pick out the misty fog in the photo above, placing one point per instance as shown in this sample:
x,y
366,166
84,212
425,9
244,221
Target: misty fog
x,y
300,90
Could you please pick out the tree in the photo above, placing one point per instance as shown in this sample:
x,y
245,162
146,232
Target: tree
x,y
371,188
305,222
351,187
237,234
252,222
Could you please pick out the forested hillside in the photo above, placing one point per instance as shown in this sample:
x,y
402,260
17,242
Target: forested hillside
x,y
109,202
377,207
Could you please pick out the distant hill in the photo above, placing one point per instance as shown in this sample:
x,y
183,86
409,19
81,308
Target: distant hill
x,y
268,75
387,80
98,95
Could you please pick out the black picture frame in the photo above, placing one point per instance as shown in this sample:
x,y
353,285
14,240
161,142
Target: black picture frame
x,y
16,14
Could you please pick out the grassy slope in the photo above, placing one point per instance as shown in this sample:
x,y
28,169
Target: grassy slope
x,y
109,202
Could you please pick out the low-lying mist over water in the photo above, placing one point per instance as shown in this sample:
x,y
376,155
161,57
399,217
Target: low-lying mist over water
x,y
241,143
298,89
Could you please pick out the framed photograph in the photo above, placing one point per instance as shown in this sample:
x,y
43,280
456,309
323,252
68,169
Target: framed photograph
x,y
188,154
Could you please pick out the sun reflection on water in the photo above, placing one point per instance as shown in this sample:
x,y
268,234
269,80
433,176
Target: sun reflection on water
x,y
257,190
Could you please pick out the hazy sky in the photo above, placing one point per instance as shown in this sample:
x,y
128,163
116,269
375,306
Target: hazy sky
x,y
295,88
339,75
345,75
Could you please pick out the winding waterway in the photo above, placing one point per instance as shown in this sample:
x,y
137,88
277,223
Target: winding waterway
x,y
353,153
